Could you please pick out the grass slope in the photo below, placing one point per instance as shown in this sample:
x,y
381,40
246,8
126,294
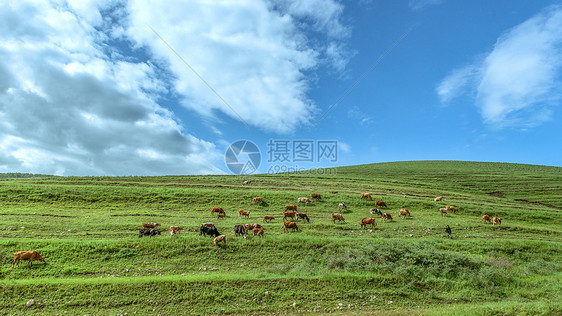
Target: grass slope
x,y
86,228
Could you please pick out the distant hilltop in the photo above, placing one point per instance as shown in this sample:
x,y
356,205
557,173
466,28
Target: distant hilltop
x,y
17,175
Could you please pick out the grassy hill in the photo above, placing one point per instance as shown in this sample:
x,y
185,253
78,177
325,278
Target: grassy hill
x,y
87,228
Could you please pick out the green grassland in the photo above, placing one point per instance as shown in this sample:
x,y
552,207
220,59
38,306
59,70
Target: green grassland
x,y
87,230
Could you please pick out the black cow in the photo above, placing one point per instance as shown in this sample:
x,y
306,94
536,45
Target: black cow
x,y
204,230
303,217
448,231
149,232
374,211
239,231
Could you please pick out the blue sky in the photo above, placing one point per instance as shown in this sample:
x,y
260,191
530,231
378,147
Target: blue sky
x,y
138,88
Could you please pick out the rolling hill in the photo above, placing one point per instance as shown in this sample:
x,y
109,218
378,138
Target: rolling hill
x,y
87,230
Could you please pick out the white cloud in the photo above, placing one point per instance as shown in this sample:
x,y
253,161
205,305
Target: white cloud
x,y
456,82
344,147
253,53
519,81
67,108
420,4
80,81
360,116
339,56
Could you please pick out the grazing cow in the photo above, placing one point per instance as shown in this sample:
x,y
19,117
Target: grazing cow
x,y
303,217
243,213
148,232
257,200
216,209
450,208
367,221
257,231
291,207
268,218
448,231
174,230
239,231
497,220
386,216
221,215
150,225
289,214
249,227
380,203
208,224
30,255
374,211
403,212
338,217
333,192
205,230
316,196
290,225
342,206
443,211
485,219
437,199
219,239
303,200
366,196
247,182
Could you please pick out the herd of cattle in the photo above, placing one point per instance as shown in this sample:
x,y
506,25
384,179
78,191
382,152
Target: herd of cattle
x,y
291,216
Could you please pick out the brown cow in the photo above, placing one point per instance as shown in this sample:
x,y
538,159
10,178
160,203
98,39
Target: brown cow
x,y
219,239
267,218
338,217
303,217
291,207
289,214
450,208
386,216
243,213
367,221
403,212
303,200
443,211
380,203
174,230
216,209
497,220
257,200
437,199
333,192
150,225
485,219
290,225
257,231
27,255
249,227
366,196
316,196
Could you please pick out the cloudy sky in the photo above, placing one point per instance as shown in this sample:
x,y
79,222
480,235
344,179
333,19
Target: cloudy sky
x,y
141,88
